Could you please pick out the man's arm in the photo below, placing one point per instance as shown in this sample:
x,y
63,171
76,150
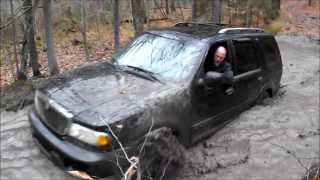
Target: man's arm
x,y
227,76
213,77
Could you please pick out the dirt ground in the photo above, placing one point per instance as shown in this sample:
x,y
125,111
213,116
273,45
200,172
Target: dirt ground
x,y
278,140
300,18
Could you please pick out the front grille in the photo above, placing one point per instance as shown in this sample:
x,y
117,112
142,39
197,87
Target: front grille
x,y
52,117
56,121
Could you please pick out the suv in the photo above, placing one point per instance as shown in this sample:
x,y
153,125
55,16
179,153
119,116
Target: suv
x,y
83,119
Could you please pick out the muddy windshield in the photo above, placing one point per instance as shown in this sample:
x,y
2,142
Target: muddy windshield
x,y
167,57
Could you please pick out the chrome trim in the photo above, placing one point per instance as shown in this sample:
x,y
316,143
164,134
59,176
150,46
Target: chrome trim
x,y
60,109
224,30
54,105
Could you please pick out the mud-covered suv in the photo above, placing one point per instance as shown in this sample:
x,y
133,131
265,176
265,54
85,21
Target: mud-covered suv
x,y
84,120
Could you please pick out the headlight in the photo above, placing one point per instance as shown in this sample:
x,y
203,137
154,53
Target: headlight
x,y
89,136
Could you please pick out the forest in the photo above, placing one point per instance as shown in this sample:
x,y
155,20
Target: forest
x,y
44,40
40,38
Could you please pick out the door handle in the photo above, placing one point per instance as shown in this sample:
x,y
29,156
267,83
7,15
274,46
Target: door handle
x,y
260,78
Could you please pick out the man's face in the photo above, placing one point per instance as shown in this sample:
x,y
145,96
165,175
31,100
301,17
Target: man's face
x,y
219,57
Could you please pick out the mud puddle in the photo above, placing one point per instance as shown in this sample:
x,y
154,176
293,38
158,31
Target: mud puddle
x,y
279,140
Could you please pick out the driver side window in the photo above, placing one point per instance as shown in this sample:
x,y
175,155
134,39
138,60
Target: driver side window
x,y
210,56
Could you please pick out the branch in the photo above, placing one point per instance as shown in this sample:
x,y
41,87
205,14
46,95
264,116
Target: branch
x,y
145,140
134,161
17,15
132,169
117,139
164,170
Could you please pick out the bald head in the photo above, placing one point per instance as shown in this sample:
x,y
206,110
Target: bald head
x,y
219,55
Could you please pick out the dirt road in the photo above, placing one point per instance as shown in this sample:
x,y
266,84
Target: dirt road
x,y
279,140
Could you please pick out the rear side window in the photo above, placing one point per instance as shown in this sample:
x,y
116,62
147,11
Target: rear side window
x,y
246,56
269,49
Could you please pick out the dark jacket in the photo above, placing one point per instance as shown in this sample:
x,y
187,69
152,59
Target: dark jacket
x,y
226,72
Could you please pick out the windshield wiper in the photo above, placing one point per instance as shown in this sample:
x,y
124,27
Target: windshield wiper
x,y
151,74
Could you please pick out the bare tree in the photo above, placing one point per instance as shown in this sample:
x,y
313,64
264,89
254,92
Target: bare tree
x,y
180,6
172,6
138,15
116,25
47,15
14,40
98,16
24,54
0,30
167,6
194,10
29,36
159,7
249,13
216,11
276,8
230,13
0,22
309,2
84,28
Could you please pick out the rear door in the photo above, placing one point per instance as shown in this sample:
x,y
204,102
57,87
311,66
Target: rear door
x,y
248,67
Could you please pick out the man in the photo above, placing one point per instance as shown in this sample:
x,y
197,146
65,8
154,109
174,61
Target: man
x,y
220,70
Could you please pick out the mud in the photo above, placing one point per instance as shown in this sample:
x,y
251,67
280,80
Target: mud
x,y
277,140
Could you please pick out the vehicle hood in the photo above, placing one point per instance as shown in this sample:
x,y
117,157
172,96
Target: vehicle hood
x,y
105,94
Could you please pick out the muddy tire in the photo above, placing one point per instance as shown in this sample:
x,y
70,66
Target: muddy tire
x,y
162,154
261,100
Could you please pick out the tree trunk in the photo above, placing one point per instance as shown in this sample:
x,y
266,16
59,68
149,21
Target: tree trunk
x,y
31,44
172,6
52,62
309,2
194,10
24,54
98,15
148,8
180,8
138,15
167,6
275,8
84,29
249,13
14,40
0,30
216,11
159,7
229,12
116,25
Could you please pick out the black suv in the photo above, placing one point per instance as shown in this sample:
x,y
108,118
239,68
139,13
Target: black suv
x,y
156,81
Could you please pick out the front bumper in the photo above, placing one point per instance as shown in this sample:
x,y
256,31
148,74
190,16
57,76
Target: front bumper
x,y
72,157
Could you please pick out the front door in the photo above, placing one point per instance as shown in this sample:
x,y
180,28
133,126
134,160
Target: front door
x,y
212,104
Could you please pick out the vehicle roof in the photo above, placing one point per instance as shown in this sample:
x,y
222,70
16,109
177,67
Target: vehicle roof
x,y
204,30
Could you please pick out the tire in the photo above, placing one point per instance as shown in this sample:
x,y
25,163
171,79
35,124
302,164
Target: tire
x,y
162,154
261,98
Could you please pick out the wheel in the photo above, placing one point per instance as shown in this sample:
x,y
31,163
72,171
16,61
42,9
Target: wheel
x,y
162,154
260,100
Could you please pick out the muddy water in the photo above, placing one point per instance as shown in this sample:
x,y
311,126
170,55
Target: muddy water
x,y
278,140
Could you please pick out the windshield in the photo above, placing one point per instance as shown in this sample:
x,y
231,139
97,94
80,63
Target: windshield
x,y
170,58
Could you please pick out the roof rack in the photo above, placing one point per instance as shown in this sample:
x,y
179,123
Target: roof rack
x,y
240,30
189,24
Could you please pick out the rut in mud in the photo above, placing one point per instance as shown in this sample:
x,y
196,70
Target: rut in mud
x,y
278,140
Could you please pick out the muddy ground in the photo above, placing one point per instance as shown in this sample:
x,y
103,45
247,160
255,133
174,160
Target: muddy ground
x,y
277,140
